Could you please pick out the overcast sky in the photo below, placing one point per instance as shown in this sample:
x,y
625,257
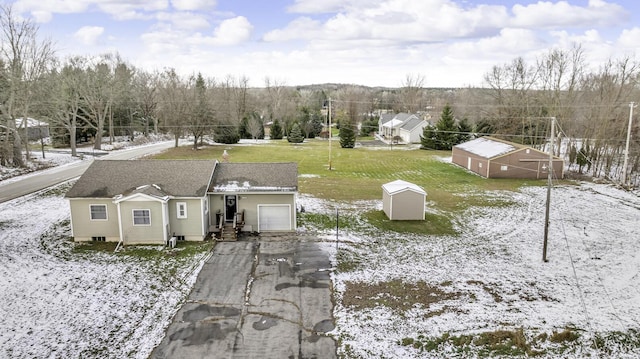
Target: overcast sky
x,y
370,42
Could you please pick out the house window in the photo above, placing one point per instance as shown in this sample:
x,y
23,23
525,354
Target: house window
x,y
181,209
527,151
479,164
504,168
98,239
98,212
141,217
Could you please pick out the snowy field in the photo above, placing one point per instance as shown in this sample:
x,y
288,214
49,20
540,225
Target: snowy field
x,y
492,276
59,303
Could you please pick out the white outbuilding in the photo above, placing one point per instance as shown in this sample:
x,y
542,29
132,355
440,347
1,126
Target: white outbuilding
x,y
402,200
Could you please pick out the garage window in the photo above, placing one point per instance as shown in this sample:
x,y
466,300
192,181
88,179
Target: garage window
x,y
504,168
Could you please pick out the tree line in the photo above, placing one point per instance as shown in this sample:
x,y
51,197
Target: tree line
x,y
100,97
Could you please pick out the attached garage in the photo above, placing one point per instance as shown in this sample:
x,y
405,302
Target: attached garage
x,y
274,217
254,197
402,200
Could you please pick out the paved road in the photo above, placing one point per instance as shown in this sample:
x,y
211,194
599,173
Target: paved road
x,y
256,299
53,176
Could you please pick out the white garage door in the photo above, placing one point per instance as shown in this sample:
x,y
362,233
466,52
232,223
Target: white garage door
x,y
274,217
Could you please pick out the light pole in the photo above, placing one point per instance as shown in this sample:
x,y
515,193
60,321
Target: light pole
x,y
329,133
632,105
549,180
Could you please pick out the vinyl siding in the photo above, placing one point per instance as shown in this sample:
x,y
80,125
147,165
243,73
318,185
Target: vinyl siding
x,y
84,228
191,227
142,234
249,203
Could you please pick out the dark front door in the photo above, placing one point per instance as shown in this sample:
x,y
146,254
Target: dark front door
x,y
231,207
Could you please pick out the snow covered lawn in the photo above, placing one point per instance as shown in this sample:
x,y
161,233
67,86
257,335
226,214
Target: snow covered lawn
x,y
60,302
408,296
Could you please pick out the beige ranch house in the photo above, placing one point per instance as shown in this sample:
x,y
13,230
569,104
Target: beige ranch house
x,y
153,201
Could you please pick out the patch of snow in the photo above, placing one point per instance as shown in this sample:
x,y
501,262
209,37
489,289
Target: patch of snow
x,y
59,303
590,282
485,147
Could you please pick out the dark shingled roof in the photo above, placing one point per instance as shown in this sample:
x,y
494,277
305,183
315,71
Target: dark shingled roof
x,y
179,178
261,177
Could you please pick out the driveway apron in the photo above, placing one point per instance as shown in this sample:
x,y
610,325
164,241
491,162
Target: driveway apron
x,y
256,299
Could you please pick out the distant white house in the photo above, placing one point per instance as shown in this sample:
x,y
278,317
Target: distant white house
x,y
407,126
36,129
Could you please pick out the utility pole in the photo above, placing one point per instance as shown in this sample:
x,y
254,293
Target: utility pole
x,y
329,133
626,150
549,181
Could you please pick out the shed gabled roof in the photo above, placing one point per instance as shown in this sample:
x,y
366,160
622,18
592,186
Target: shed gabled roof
x,y
178,178
398,186
255,177
488,147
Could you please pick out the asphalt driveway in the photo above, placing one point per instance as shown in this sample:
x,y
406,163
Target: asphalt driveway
x,y
266,298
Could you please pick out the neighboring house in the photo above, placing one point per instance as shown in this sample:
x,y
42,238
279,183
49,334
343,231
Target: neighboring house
x,y
150,201
36,129
411,129
402,200
407,126
494,158
264,192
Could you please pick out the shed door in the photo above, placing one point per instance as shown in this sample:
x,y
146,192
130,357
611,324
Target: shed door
x,y
274,217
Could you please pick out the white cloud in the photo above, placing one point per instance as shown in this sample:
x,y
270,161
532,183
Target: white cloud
x,y
630,39
509,43
232,31
316,7
544,14
188,5
184,20
43,11
399,20
300,28
89,35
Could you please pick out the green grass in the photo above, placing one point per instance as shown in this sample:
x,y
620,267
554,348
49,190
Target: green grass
x,y
146,252
359,173
434,224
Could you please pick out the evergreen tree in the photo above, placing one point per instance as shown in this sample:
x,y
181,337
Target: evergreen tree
x,y
428,138
295,136
573,153
242,129
484,127
228,135
276,130
446,130
582,157
369,126
347,135
464,131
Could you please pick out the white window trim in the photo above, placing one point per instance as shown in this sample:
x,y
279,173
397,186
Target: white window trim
x,y
504,168
184,206
133,217
106,213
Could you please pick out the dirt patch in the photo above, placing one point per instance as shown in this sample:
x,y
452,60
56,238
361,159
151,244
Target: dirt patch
x,y
395,294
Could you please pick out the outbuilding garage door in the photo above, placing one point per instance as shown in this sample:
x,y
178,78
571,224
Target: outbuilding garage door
x,y
274,217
